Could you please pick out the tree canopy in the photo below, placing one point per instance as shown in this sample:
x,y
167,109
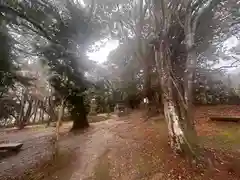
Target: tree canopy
x,y
53,34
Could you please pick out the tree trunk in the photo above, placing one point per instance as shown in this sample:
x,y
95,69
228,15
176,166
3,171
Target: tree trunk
x,y
147,83
80,123
35,111
48,107
41,115
79,115
27,116
180,135
59,121
21,113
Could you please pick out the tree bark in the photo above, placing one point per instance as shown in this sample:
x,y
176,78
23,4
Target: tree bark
x,y
79,115
20,118
180,136
49,108
60,116
35,111
27,116
80,123
41,115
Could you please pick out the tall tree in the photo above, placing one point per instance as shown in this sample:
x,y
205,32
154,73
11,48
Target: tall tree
x,y
176,53
61,30
179,36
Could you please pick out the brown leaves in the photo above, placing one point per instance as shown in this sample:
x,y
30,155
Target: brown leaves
x,y
135,149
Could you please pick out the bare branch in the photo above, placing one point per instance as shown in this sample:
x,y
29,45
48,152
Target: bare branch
x,y
178,16
232,65
24,51
235,23
211,4
92,10
163,14
8,9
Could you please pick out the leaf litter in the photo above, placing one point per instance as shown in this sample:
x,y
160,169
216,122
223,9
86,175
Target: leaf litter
x,y
131,148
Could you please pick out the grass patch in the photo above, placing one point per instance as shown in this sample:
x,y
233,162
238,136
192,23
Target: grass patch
x,y
227,137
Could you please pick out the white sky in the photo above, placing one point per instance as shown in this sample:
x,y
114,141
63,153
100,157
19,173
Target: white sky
x,y
228,45
101,55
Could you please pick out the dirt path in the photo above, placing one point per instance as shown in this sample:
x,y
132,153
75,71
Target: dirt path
x,y
122,148
36,147
129,148
116,140
90,147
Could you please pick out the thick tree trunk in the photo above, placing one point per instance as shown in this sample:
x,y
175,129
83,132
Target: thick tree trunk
x,y
80,123
79,115
149,93
181,136
176,134
182,139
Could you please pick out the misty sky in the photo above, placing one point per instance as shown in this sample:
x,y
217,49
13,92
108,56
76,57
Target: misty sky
x,y
101,55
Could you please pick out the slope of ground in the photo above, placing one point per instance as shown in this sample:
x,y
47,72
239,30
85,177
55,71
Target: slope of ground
x,y
38,151
146,155
131,148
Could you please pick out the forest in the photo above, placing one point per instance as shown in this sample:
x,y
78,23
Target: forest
x,y
174,59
